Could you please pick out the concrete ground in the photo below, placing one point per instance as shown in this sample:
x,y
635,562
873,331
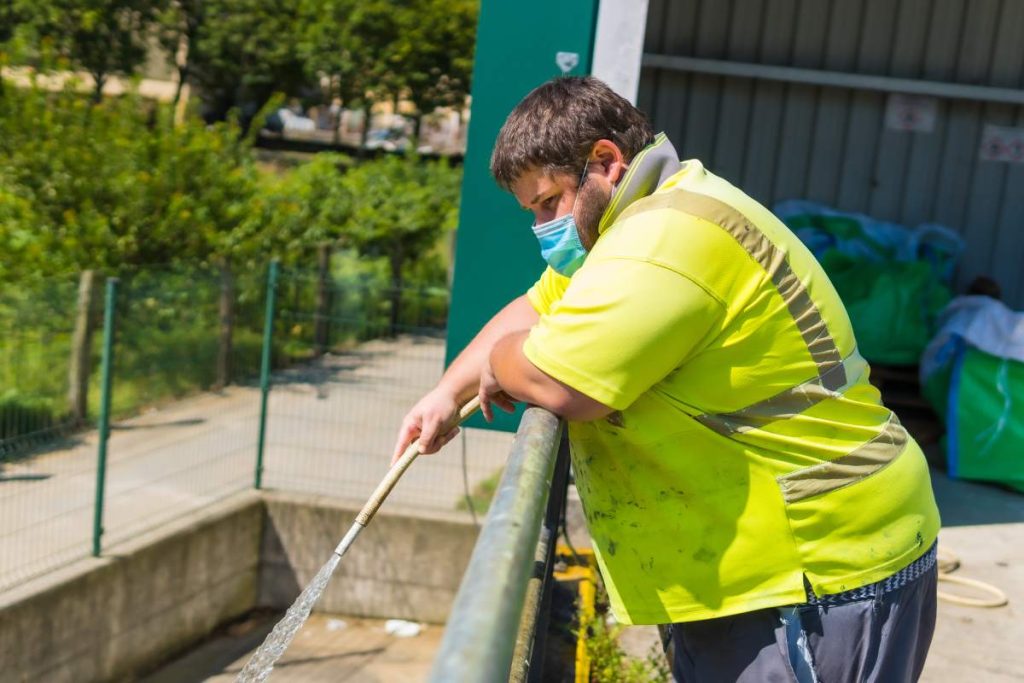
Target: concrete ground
x,y
330,431
328,648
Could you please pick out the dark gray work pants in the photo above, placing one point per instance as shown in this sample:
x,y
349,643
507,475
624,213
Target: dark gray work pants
x,y
881,639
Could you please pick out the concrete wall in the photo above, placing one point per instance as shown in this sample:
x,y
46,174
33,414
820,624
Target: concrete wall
x,y
400,567
112,618
123,613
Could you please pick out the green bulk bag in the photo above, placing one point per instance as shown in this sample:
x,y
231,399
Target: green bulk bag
x,y
892,305
985,418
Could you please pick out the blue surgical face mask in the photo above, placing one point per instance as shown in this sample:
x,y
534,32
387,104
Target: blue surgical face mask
x,y
559,239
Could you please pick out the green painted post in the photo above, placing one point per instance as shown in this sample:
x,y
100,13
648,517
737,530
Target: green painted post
x,y
104,420
497,258
268,340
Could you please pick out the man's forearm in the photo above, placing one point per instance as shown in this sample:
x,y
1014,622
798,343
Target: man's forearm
x,y
523,381
463,375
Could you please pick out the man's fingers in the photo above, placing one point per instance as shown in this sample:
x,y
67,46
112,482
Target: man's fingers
x,y
485,407
505,403
428,437
405,437
448,437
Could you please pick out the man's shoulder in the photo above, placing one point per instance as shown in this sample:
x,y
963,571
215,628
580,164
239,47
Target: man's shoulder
x,y
671,226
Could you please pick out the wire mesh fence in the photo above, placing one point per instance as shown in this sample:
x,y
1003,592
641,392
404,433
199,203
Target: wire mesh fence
x,y
174,445
37,322
190,397
358,357
185,364
37,328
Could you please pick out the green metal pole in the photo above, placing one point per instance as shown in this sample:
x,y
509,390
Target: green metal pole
x,y
104,421
268,340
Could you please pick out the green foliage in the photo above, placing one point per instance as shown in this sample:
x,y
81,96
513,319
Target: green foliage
x,y
34,354
102,37
377,50
353,42
436,52
114,185
401,207
23,417
117,187
608,662
482,494
167,335
303,208
241,51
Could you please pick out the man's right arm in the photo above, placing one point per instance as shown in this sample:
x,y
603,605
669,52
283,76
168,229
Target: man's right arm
x,y
431,419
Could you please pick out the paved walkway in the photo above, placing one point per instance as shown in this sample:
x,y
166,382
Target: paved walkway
x,y
331,430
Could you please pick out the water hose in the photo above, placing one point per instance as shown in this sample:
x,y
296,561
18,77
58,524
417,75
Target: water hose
x,y
391,478
948,563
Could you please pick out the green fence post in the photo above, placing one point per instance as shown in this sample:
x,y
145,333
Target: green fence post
x,y
104,421
268,340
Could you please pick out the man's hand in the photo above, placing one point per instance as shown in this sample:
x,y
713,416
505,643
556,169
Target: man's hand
x,y
432,421
491,393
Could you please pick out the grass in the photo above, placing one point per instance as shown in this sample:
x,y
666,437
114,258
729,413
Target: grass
x,y
166,339
482,494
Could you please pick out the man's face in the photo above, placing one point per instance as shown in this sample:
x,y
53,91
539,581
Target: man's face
x,y
550,196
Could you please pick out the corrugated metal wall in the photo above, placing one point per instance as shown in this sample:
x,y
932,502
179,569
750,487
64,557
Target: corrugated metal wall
x,y
786,140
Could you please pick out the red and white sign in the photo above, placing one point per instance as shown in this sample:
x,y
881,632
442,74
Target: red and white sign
x,y
1002,143
911,113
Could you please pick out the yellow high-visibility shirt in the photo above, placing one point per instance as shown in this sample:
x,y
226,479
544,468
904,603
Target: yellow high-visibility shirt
x,y
747,449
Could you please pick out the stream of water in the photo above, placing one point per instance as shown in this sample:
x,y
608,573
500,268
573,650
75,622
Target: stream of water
x,y
259,666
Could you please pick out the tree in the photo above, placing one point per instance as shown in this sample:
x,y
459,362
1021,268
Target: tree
x,y
101,37
436,53
243,51
178,26
355,44
401,206
309,206
117,185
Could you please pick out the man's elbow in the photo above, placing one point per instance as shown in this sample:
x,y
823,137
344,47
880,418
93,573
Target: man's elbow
x,y
575,407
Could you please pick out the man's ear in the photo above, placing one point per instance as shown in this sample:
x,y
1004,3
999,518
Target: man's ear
x,y
607,155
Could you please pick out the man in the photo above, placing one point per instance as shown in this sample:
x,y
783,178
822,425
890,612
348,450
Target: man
x,y
741,479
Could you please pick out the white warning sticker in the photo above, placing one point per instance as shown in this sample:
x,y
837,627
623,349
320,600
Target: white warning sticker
x,y
911,113
1002,143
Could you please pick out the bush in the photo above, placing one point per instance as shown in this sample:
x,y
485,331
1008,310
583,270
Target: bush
x,y
608,662
24,417
115,184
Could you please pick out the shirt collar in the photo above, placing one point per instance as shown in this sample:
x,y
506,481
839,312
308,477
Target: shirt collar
x,y
655,164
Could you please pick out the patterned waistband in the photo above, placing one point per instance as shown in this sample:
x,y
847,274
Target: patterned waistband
x,y
908,574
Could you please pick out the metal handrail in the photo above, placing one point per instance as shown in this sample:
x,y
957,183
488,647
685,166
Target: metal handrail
x,y
481,635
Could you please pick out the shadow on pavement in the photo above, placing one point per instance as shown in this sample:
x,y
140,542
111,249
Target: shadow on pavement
x,y
964,503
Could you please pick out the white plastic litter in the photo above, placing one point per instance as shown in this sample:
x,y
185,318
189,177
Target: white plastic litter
x,y
982,322
401,628
336,624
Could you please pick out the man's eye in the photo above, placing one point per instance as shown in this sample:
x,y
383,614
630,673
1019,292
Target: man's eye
x,y
549,203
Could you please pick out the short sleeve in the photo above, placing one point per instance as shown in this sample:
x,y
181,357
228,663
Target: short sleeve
x,y
547,290
621,327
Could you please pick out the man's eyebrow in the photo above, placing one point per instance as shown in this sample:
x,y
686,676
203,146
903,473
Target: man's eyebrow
x,y
539,194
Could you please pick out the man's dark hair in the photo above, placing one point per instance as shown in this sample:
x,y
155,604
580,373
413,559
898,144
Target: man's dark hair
x,y
556,125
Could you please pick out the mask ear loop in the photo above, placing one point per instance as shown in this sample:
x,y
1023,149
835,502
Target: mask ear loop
x,y
579,189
